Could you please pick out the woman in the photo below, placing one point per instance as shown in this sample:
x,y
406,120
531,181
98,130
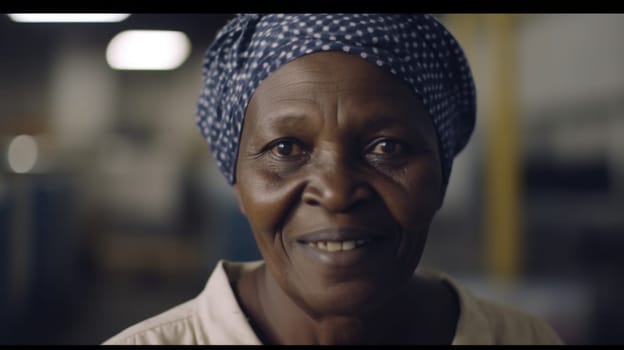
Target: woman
x,y
337,133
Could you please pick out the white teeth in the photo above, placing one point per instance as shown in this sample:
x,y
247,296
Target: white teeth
x,y
336,246
348,245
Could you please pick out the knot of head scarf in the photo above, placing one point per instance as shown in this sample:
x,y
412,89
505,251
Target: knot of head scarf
x,y
416,48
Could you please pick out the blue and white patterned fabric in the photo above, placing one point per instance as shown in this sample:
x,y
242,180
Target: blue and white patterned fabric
x,y
414,47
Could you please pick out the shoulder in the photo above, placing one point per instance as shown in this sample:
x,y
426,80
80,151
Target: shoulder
x,y
213,317
174,326
482,321
509,325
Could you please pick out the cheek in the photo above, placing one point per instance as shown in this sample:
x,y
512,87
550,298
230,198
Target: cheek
x,y
267,202
417,196
414,200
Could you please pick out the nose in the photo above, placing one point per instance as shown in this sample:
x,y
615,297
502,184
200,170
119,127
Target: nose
x,y
336,185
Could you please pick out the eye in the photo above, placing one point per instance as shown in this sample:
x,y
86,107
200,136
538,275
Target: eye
x,y
386,147
286,148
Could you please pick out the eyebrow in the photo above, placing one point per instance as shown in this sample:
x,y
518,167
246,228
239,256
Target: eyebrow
x,y
287,119
280,123
381,121
296,122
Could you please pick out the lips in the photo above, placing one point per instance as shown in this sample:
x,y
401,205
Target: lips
x,y
338,246
347,247
339,239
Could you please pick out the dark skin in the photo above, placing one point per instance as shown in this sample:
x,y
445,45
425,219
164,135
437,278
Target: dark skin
x,y
339,175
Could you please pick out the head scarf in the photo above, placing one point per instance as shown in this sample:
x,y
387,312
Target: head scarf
x,y
416,48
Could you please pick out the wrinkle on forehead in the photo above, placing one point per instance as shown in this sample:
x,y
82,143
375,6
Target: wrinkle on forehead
x,y
334,71
330,90
307,78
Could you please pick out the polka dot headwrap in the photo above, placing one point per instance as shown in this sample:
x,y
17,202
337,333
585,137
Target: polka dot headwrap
x,y
416,48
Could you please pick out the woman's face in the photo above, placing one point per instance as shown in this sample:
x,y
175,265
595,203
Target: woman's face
x,y
339,176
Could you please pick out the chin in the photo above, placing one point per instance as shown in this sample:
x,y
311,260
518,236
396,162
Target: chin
x,y
353,297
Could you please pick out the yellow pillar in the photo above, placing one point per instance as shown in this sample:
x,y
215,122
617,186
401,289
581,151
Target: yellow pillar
x,y
464,28
502,164
497,116
492,38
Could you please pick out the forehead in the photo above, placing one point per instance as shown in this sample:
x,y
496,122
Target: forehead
x,y
332,78
333,72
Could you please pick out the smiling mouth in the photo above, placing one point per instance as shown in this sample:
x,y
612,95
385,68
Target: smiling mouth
x,y
346,248
339,239
339,246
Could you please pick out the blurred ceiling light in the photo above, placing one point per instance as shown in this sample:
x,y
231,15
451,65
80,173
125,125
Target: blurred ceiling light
x,y
68,17
148,50
22,154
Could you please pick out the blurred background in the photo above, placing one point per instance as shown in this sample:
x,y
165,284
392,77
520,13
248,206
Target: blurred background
x,y
111,209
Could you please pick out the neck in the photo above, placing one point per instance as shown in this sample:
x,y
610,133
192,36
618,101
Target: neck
x,y
277,319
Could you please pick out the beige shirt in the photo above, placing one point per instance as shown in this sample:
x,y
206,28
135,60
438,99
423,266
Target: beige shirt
x,y
215,317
